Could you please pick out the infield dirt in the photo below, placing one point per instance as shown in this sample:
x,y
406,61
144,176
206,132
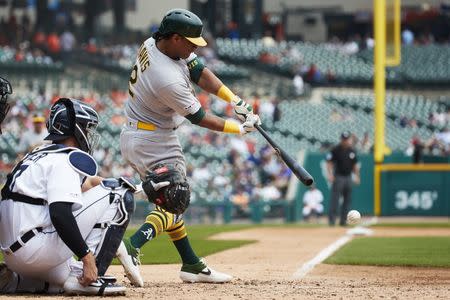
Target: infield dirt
x,y
264,270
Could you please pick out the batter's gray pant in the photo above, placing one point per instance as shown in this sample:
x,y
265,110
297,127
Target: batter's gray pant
x,y
144,149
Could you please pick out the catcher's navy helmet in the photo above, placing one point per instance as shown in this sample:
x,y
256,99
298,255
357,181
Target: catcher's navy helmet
x,y
5,90
71,117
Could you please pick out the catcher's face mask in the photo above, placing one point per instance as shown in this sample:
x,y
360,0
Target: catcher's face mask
x,y
70,117
5,90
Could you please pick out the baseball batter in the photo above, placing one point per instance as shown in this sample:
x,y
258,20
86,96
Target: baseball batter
x,y
45,218
161,98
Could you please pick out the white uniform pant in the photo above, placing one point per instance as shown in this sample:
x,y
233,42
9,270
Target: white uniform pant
x,y
316,208
46,257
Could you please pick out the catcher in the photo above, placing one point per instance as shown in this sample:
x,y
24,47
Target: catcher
x,y
47,215
161,97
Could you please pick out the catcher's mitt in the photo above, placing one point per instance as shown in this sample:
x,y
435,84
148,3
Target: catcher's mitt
x,y
168,188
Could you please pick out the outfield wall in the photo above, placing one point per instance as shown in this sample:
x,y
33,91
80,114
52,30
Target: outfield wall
x,y
405,191
417,191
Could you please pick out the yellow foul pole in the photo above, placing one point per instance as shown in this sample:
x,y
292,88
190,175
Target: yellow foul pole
x,y
379,23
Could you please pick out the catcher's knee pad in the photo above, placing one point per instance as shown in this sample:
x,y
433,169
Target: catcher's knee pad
x,y
121,190
168,188
128,201
115,229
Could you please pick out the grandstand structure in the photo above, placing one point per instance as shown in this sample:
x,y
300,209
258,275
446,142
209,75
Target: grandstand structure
x,y
309,123
348,69
337,95
304,124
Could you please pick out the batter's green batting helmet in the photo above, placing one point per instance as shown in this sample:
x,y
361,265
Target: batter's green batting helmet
x,y
184,23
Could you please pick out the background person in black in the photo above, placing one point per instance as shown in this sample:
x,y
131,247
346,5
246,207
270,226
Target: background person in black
x,y
341,163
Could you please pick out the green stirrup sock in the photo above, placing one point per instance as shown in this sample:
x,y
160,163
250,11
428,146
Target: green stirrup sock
x,y
185,250
143,235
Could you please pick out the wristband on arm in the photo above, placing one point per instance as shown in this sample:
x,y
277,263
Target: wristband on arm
x,y
226,94
231,127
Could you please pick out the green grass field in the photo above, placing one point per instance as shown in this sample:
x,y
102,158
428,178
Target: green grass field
x,y
404,251
162,251
394,251
415,225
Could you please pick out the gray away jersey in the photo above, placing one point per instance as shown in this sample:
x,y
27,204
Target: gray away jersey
x,y
160,88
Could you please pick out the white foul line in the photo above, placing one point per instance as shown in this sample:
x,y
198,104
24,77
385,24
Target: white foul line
x,y
324,254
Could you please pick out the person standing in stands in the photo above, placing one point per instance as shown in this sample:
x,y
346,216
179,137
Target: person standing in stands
x,y
33,137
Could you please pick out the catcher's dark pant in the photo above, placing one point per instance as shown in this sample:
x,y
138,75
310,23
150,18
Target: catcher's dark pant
x,y
342,186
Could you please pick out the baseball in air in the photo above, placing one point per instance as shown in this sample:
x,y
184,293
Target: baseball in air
x,y
353,217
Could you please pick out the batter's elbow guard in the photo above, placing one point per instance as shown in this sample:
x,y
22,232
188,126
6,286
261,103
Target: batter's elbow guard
x,y
197,117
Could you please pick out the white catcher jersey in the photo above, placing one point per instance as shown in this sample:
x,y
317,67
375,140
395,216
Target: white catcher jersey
x,y
160,88
45,175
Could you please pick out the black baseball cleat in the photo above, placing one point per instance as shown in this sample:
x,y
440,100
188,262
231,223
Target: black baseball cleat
x,y
108,278
6,279
99,287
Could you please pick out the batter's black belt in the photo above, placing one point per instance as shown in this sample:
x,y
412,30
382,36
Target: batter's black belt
x,y
22,240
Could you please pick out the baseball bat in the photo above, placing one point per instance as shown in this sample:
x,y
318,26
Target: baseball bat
x,y
298,170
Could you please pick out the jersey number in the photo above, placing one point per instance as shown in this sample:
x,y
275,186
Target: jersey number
x,y
11,181
17,174
133,79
